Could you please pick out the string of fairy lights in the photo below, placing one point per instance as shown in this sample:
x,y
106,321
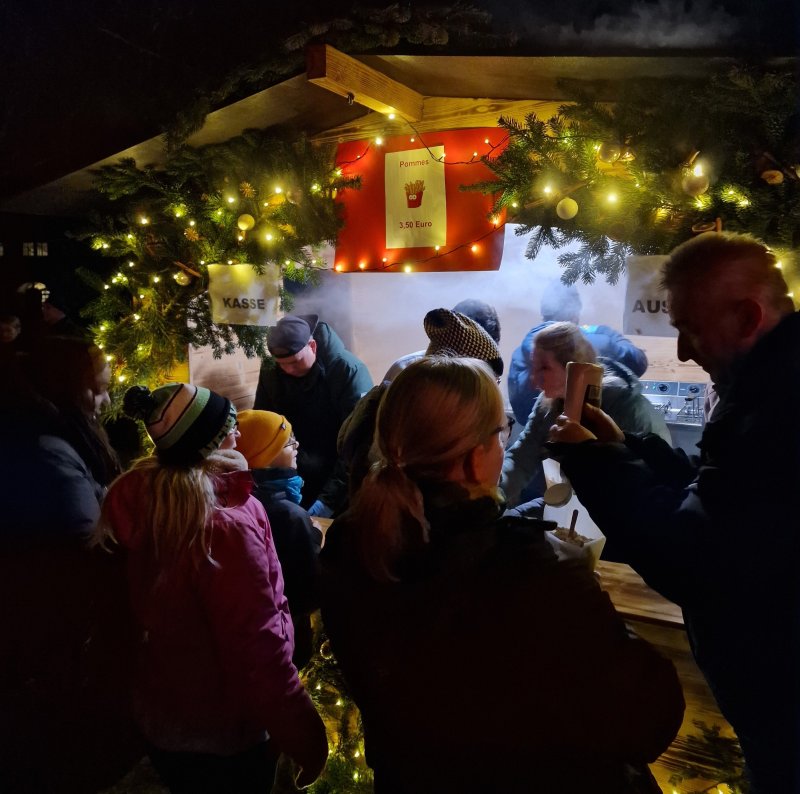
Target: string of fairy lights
x,y
281,244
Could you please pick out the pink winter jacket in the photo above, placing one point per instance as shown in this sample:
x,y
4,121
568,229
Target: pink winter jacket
x,y
214,672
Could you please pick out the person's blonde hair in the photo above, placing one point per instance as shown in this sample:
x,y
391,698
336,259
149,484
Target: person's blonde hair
x,y
177,512
566,342
435,412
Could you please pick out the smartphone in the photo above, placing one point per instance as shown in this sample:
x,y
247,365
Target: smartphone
x,y
584,385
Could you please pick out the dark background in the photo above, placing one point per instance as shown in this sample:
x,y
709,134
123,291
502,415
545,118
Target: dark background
x,y
83,80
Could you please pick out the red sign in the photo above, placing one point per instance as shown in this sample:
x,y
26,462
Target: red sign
x,y
410,213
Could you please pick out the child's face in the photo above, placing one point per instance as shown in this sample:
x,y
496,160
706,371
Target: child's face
x,y
9,330
287,457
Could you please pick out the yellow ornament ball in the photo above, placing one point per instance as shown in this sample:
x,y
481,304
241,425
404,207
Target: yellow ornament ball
x,y
694,185
246,222
609,152
567,208
182,278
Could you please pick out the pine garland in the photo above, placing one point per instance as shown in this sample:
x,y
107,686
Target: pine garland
x,y
163,227
366,29
742,129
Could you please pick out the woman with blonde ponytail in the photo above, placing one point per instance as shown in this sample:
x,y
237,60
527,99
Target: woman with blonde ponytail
x,y
478,660
215,692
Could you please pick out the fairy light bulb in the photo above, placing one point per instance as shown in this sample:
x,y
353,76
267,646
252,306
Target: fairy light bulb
x,y
392,117
144,220
547,190
231,199
612,198
378,140
156,279
474,248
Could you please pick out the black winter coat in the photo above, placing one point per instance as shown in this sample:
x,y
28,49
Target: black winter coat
x,y
723,542
491,666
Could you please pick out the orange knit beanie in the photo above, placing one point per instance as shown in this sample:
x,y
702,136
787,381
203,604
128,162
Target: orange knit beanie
x,y
263,435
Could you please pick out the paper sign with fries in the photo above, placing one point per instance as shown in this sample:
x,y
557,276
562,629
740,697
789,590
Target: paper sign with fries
x,y
416,204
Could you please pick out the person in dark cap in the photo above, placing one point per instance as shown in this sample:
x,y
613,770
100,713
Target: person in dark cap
x,y
479,311
562,303
452,335
315,382
215,692
483,314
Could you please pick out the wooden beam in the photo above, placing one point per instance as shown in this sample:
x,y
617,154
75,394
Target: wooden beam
x,y
441,113
331,69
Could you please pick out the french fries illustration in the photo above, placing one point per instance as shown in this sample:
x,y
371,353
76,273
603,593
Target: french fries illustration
x,y
414,191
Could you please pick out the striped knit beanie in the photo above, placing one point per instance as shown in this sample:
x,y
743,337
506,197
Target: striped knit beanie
x,y
186,423
455,335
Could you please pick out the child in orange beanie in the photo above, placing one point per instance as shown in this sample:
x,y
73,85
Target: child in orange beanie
x,y
270,448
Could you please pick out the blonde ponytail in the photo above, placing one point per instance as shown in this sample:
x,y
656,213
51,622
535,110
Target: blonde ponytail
x,y
435,412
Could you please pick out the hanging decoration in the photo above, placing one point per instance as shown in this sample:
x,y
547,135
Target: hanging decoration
x,y
412,214
163,229
725,148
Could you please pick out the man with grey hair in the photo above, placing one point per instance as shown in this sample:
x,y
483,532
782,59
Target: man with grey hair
x,y
721,540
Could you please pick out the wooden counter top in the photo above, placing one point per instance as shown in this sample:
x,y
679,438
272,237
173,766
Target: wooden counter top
x,y
633,599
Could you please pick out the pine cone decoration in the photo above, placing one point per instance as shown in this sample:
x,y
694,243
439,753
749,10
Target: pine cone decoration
x,y
192,235
247,190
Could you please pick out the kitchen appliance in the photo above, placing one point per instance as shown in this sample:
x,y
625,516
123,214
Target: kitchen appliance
x,y
682,406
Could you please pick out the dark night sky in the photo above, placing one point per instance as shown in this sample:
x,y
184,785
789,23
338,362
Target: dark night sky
x,y
85,79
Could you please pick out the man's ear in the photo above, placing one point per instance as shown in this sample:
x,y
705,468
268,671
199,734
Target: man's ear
x,y
750,317
312,343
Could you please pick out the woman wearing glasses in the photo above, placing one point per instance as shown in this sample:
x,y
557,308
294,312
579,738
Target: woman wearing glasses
x,y
479,662
268,444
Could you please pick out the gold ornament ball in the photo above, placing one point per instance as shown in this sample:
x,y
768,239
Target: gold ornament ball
x,y
183,278
246,222
772,176
567,208
694,185
609,152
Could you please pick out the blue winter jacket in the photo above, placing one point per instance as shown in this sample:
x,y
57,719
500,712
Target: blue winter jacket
x,y
606,342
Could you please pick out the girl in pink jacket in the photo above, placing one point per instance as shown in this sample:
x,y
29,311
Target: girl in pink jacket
x,y
215,693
